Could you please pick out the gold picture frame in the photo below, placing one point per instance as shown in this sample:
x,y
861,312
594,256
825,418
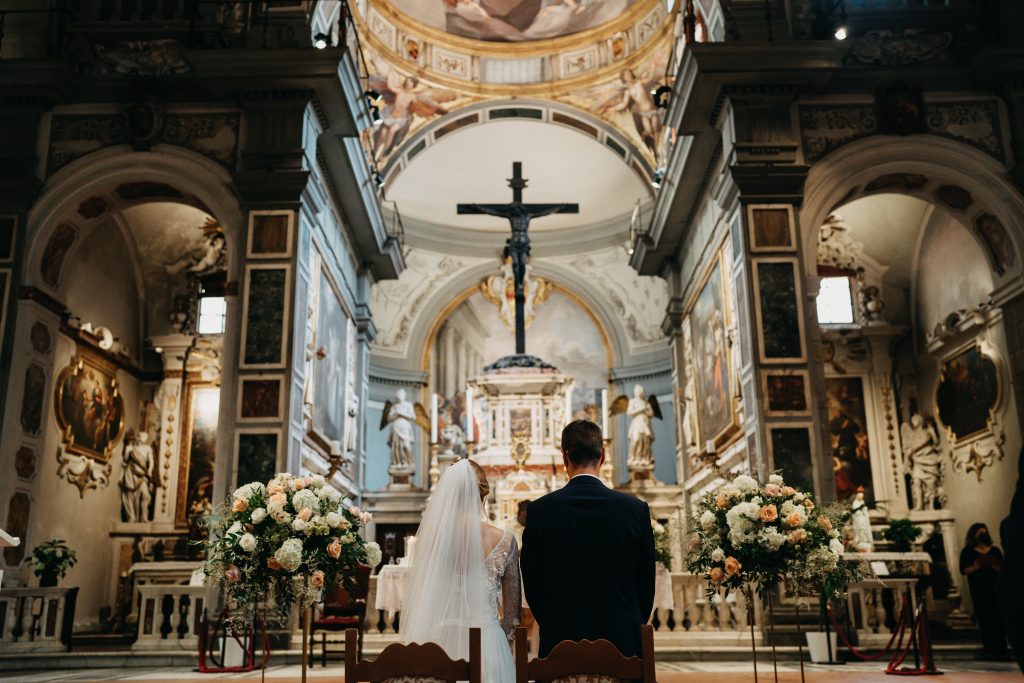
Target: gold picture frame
x,y
88,407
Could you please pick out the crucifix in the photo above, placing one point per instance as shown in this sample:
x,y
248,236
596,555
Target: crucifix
x,y
518,245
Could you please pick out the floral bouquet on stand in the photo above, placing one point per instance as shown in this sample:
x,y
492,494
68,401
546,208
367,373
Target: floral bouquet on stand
x,y
281,544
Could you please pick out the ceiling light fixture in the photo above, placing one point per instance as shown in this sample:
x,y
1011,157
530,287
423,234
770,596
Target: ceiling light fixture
x,y
661,96
378,179
321,40
375,116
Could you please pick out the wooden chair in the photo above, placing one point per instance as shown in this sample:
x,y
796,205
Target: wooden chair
x,y
342,609
586,658
413,661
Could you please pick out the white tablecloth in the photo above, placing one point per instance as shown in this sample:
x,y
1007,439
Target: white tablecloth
x,y
663,598
391,588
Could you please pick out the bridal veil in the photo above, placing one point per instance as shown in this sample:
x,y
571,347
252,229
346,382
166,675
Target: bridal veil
x,y
446,592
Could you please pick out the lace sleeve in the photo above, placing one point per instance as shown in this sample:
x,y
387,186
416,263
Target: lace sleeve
x,y
511,591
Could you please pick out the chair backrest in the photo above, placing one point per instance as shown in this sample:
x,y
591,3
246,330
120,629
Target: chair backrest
x,y
343,600
597,659
412,661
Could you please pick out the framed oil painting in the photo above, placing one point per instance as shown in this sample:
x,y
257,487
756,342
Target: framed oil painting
x,y
779,311
271,234
849,440
265,316
787,393
712,369
792,454
257,455
968,393
260,398
88,407
198,453
772,227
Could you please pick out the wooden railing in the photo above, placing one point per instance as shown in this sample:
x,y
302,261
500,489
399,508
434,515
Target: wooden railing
x,y
36,619
169,617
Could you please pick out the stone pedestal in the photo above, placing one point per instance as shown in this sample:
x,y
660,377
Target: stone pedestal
x,y
641,473
401,477
662,498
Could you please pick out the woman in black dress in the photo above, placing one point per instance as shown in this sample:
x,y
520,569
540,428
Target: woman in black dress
x,y
981,562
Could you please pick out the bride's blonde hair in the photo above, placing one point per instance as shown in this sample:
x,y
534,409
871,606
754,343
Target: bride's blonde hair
x,y
481,478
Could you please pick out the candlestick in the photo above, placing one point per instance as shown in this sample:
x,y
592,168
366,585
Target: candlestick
x,y
470,435
604,412
433,418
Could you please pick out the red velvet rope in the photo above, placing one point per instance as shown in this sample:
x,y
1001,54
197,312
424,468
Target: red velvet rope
x,y
901,627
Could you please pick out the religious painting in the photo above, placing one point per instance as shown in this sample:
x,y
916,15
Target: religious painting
x,y
198,454
779,310
513,21
265,316
519,420
88,407
270,234
18,509
967,394
257,456
792,456
329,368
848,436
56,250
786,392
8,226
772,227
711,358
260,398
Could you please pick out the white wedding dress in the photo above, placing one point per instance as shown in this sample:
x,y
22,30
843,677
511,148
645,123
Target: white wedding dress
x,y
453,586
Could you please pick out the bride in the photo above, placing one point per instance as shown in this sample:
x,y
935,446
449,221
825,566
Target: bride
x,y
463,565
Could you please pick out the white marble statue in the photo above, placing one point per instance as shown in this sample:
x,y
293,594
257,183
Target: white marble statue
x,y
923,462
641,434
309,358
454,439
400,415
860,523
352,429
137,477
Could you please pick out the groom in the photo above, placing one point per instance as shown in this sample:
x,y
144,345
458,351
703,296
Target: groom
x,y
588,554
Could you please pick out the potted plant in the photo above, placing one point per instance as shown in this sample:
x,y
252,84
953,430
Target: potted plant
x,y
901,533
52,560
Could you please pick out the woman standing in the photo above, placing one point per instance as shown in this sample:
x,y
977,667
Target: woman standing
x,y
981,562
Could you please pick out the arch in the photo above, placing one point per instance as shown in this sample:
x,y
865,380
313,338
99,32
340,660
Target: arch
x,y
200,182
928,166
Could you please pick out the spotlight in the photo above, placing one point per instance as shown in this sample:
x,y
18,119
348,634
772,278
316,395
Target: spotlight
x,y
321,40
378,179
375,116
372,97
661,95
841,33
659,175
630,251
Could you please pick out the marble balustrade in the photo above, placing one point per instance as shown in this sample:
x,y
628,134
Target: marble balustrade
x,y
169,616
36,619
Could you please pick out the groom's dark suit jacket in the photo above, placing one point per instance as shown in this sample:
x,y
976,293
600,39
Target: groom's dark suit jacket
x,y
588,565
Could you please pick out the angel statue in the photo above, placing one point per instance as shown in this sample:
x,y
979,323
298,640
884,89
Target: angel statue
x,y
641,411
402,415
403,99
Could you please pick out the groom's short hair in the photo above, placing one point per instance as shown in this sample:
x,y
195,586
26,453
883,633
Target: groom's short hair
x,y
582,442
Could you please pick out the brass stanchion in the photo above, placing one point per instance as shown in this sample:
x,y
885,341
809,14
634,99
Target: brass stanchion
x,y
306,617
771,634
800,641
750,620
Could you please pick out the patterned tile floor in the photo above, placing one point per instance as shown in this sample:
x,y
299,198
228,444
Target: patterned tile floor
x,y
668,672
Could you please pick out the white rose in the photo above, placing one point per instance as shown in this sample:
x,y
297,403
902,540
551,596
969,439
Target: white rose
x,y
247,543
317,481
299,524
373,554
289,555
708,519
745,483
717,555
258,515
365,518
235,528
775,479
305,499
250,489
334,519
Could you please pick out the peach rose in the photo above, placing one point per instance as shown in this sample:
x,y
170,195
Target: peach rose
x,y
825,523
797,535
722,501
316,579
795,518
787,491
771,489
274,488
300,483
732,566
716,574
279,498
808,503
768,513
334,549
273,564
239,505
233,574
305,514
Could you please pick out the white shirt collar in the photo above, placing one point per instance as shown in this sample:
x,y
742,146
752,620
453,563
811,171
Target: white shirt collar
x,y
585,474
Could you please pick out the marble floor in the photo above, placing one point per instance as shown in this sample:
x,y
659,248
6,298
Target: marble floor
x,y
668,672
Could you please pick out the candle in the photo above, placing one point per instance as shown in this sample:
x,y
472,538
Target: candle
x,y
469,415
433,418
604,413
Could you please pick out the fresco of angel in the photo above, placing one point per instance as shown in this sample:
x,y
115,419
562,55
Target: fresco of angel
x,y
404,99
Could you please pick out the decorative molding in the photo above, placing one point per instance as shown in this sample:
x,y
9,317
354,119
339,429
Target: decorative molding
x,y
82,471
887,48
149,58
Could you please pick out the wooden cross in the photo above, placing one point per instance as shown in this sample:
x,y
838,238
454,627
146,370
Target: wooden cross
x,y
518,245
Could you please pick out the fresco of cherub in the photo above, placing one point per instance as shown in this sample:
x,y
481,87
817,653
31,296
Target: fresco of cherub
x,y
404,99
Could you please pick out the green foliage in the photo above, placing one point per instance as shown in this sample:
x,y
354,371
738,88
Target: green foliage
x,y
662,544
901,532
52,557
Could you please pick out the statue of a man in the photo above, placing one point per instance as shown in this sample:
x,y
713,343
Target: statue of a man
x,y
401,416
137,477
641,435
923,462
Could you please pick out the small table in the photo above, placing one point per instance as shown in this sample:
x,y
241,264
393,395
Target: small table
x,y
391,588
